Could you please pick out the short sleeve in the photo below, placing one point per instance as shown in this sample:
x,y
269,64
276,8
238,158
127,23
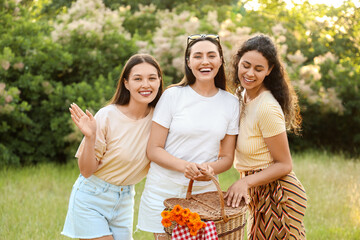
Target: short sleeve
x,y
100,142
233,128
163,109
271,120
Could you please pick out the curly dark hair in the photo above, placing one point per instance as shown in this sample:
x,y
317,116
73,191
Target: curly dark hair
x,y
277,81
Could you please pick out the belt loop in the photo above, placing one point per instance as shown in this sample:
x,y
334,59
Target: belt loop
x,y
106,187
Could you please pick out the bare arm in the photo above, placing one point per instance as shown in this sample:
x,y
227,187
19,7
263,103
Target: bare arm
x,y
226,154
87,125
279,149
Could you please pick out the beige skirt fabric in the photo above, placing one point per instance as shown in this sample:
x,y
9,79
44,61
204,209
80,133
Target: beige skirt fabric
x,y
277,209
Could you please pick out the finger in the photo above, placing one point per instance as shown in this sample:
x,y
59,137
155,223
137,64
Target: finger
x,y
193,169
238,200
189,174
89,114
234,200
230,197
77,110
73,115
74,110
75,121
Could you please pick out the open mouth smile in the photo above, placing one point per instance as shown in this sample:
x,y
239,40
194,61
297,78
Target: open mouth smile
x,y
145,93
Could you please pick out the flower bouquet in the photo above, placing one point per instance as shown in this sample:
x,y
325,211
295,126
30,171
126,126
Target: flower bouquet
x,y
183,217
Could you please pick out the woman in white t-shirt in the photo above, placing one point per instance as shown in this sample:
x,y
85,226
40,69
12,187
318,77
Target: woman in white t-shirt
x,y
194,127
112,156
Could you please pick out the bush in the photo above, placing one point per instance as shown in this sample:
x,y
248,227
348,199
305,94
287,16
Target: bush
x,y
48,62
41,75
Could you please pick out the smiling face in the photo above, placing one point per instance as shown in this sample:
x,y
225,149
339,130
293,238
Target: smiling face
x,y
204,61
252,69
143,83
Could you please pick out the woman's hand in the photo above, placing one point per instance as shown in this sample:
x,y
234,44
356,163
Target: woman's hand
x,y
85,122
195,171
205,167
237,192
192,171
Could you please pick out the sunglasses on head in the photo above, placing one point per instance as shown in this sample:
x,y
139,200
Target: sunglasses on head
x,y
198,36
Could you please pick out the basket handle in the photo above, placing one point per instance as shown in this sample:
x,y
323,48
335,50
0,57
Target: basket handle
x,y
221,196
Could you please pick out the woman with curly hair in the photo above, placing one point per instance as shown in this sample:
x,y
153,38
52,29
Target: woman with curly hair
x,y
269,107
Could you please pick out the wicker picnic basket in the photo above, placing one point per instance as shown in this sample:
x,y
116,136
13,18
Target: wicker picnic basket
x,y
229,222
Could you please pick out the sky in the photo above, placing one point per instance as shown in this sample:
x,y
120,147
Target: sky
x,y
335,3
254,4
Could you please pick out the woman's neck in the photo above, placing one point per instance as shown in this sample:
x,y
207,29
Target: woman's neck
x,y
253,93
205,89
135,111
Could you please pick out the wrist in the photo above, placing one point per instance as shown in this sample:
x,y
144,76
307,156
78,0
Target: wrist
x,y
248,181
90,138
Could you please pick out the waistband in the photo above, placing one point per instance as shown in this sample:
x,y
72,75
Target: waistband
x,y
107,186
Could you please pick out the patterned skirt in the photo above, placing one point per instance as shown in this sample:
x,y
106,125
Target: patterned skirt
x,y
277,209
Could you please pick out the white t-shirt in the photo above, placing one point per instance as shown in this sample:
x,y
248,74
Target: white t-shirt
x,y
196,126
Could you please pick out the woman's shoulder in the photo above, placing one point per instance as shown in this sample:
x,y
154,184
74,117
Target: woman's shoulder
x,y
267,98
268,103
229,96
174,91
105,111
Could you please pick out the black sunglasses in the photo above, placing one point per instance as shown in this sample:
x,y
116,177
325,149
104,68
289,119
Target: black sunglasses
x,y
198,36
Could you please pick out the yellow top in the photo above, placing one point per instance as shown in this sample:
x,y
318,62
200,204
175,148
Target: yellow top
x,y
262,118
120,146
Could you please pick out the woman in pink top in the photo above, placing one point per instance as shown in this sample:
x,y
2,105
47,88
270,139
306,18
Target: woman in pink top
x,y
112,156
269,107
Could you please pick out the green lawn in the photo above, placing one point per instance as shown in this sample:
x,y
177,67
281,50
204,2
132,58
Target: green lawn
x,y
33,200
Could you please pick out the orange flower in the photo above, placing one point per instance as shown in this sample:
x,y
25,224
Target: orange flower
x,y
166,222
181,222
193,232
165,214
193,217
183,217
198,225
185,213
190,225
177,218
177,209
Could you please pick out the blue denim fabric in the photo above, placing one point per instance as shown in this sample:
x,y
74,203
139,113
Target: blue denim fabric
x,y
97,208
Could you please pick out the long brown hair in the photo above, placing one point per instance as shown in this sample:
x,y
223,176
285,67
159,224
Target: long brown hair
x,y
189,78
277,81
122,94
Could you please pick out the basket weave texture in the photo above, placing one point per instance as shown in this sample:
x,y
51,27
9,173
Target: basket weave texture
x,y
210,206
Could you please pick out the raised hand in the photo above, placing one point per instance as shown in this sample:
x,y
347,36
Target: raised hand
x,y
84,121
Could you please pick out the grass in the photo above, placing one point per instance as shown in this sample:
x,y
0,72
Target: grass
x,y
33,200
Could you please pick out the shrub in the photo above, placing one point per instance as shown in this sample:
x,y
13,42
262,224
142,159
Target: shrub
x,y
41,75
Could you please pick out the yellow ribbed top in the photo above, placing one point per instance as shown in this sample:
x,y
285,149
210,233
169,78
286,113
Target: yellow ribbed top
x,y
262,118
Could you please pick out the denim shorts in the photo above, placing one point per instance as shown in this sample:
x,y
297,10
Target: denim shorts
x,y
97,209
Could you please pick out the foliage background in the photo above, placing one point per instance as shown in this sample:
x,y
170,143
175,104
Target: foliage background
x,y
53,53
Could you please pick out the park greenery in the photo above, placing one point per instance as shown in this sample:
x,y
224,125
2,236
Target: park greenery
x,y
53,53
34,199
